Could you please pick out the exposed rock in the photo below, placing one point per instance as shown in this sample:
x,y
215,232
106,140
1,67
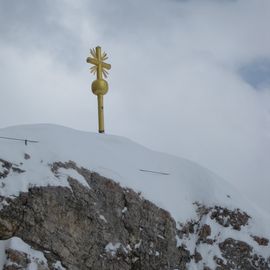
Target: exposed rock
x,y
21,260
226,217
187,229
17,259
185,257
197,256
7,167
261,240
235,254
239,255
69,224
7,228
17,170
223,216
204,232
26,156
107,227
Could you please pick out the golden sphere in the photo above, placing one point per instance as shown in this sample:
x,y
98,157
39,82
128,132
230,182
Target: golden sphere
x,y
100,87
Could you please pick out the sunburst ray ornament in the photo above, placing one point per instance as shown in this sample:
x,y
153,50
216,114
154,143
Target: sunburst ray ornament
x,y
99,86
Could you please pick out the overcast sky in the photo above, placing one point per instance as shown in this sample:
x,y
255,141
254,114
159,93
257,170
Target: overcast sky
x,y
190,78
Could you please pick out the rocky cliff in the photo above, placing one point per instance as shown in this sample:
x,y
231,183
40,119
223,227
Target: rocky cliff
x,y
58,214
108,227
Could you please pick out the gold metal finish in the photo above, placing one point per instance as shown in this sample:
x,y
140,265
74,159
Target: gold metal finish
x,y
99,86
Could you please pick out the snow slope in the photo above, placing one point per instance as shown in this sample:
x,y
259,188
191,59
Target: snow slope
x,y
182,183
170,182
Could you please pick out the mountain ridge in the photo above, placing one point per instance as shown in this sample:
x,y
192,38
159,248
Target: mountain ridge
x,y
183,191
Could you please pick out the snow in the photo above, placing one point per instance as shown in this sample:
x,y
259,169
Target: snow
x,y
112,248
2,169
170,182
138,244
62,172
17,244
34,256
103,218
58,266
117,158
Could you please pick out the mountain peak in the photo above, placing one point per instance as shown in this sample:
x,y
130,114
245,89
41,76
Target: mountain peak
x,y
200,206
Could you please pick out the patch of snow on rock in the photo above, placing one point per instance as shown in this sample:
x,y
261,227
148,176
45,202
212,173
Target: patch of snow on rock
x,y
112,248
35,257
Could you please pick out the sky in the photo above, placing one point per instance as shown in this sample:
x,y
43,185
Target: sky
x,y
189,77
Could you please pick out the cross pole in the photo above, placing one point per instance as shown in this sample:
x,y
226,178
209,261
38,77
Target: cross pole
x,y
99,86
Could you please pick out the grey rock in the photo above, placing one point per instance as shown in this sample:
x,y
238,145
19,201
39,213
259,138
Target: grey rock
x,y
7,167
262,241
26,156
239,255
75,225
108,227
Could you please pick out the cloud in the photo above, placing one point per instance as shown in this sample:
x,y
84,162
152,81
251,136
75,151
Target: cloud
x,y
183,80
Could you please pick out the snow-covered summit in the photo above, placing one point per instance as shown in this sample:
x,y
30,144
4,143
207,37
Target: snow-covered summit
x,y
170,182
212,217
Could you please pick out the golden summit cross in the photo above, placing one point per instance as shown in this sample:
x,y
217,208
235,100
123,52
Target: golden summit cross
x,y
99,86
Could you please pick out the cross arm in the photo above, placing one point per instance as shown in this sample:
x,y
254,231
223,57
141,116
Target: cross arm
x,y
96,63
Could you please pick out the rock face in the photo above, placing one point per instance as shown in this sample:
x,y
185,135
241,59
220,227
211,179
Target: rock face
x,y
108,227
7,167
235,254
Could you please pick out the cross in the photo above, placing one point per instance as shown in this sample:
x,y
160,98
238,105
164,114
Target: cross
x,y
99,86
98,62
